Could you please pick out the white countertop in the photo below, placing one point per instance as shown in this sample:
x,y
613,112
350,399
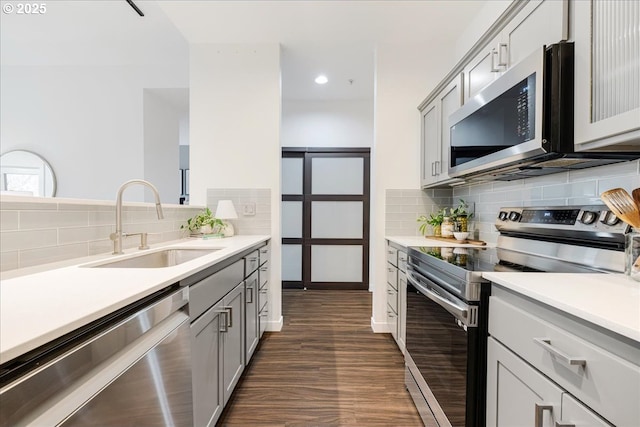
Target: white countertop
x,y
407,241
611,301
37,308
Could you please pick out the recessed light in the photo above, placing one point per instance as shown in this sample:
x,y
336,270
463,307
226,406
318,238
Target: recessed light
x,y
321,79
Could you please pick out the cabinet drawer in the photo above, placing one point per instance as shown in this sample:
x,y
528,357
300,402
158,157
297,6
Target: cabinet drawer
x,y
392,298
392,255
265,254
606,383
402,261
251,262
264,274
392,276
210,290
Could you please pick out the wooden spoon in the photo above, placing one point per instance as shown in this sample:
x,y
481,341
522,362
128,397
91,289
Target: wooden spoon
x,y
636,197
622,205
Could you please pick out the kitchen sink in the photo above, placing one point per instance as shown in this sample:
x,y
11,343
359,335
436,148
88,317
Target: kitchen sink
x,y
158,259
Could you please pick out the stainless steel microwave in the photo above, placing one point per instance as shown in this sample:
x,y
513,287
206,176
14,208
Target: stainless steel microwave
x,y
521,125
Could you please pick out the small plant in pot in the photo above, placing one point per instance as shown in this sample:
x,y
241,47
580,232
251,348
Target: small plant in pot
x,y
204,223
434,220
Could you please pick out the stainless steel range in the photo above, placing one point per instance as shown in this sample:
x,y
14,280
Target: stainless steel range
x,y
447,298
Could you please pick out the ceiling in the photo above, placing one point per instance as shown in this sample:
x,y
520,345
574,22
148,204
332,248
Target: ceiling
x,y
333,37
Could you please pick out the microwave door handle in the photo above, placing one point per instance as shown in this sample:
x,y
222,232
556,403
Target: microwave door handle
x,y
461,313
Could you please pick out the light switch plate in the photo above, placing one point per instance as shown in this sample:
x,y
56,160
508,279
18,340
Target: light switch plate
x,y
249,209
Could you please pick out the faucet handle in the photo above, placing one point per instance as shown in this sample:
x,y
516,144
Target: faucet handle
x,y
143,239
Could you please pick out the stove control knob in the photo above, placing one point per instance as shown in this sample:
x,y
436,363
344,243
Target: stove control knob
x,y
502,216
609,218
588,217
514,216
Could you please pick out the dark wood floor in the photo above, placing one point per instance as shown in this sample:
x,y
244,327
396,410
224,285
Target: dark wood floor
x,y
326,367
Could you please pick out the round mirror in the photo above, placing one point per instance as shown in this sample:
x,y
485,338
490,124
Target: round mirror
x,y
25,173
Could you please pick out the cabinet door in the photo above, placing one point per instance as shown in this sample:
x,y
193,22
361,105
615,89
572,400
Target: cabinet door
x,y
430,146
233,340
576,414
517,394
450,100
206,357
482,70
539,23
252,331
402,310
607,74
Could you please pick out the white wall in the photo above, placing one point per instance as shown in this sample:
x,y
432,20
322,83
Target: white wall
x,y
346,123
160,149
405,74
78,101
235,131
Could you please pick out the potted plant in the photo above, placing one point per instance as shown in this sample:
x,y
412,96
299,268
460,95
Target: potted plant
x,y
434,220
461,215
204,223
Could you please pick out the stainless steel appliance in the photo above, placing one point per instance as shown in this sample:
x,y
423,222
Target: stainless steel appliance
x,y
447,299
132,367
521,125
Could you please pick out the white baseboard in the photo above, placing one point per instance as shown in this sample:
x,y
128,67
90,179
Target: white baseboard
x,y
379,327
274,326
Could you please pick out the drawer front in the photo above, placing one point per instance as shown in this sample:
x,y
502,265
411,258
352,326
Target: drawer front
x,y
392,276
210,290
264,274
402,261
263,295
392,298
606,383
392,255
392,321
265,254
575,413
251,262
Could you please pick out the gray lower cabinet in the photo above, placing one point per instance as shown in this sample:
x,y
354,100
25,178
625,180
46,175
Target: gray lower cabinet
x,y
396,292
216,305
263,288
251,315
233,340
206,345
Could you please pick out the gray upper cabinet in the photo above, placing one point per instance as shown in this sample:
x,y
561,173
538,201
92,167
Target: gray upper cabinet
x,y
607,74
539,23
435,135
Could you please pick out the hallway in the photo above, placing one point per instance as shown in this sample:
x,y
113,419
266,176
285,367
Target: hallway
x,y
326,367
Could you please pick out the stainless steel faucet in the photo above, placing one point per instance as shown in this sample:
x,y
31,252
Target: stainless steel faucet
x,y
118,235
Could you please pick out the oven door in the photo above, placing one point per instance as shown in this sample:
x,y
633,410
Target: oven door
x,y
442,347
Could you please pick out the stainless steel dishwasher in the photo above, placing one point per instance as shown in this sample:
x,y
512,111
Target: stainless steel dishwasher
x,y
132,368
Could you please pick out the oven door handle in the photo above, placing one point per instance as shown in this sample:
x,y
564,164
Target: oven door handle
x,y
460,312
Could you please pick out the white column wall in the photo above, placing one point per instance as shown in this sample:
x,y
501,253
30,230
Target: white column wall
x,y
235,111
405,74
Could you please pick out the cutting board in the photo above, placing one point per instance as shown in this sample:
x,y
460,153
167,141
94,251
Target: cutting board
x,y
462,242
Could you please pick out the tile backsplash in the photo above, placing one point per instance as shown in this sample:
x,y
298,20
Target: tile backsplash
x,y
578,187
258,199
35,231
403,207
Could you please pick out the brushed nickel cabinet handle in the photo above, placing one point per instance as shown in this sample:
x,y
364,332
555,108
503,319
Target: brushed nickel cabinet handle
x,y
546,344
540,408
229,316
561,424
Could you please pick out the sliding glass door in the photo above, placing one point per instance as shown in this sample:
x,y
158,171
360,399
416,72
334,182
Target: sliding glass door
x,y
325,218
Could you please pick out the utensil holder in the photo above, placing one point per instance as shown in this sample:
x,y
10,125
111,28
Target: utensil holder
x,y
632,254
